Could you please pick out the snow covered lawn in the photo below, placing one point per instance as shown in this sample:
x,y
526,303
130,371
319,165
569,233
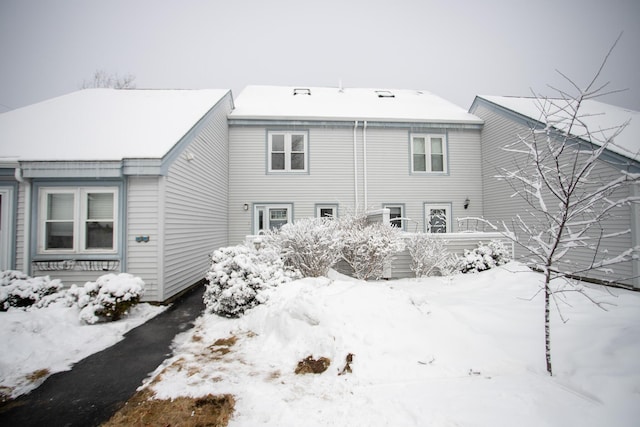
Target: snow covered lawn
x,y
37,343
466,351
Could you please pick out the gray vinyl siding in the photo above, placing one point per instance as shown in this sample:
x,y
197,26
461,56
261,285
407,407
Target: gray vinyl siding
x,y
500,130
390,181
143,219
330,178
195,204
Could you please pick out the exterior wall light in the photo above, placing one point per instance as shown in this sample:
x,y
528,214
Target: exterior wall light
x,y
245,207
466,203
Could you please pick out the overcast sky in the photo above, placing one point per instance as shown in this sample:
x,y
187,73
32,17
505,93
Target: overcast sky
x,y
455,49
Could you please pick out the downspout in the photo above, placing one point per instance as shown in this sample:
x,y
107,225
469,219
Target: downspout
x,y
364,164
26,249
355,166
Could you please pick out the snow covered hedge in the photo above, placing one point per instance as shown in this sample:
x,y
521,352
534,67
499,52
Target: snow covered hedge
x,y
19,290
484,257
310,245
237,276
429,256
369,247
107,299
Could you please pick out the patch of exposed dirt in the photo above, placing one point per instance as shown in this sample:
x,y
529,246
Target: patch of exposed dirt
x,y
309,365
143,410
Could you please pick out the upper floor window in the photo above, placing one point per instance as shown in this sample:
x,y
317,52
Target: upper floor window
x,y
77,219
428,153
288,152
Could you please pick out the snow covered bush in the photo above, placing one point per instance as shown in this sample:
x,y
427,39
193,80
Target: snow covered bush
x,y
310,245
429,256
369,247
108,298
484,257
19,290
237,276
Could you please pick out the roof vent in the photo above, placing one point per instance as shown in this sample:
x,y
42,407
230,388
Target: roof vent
x,y
385,94
301,91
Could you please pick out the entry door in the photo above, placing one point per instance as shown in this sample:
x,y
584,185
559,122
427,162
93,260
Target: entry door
x,y
6,202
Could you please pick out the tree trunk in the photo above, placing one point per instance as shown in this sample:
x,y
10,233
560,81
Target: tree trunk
x,y
547,325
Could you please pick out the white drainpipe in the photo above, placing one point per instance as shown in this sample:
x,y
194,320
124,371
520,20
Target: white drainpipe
x,y
355,165
26,254
364,165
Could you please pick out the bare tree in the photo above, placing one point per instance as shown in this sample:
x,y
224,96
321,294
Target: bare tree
x,y
102,79
570,189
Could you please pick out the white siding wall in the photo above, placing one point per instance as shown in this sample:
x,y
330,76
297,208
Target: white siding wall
x,y
195,204
331,175
143,219
498,131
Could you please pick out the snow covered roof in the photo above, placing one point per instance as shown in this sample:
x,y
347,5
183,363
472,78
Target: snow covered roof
x,y
103,124
314,103
597,116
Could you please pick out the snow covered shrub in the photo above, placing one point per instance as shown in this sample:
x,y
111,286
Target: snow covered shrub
x,y
369,247
19,290
238,274
429,256
310,245
484,257
108,298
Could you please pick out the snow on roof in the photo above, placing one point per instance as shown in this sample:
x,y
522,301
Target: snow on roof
x,y
313,103
103,124
597,116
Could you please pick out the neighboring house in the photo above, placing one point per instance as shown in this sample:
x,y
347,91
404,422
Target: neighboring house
x,y
311,152
105,180
507,117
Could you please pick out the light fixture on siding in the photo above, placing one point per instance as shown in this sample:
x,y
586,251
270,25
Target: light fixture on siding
x,y
466,203
245,207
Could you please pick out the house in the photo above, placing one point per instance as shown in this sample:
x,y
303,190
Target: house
x,y
105,180
506,117
297,152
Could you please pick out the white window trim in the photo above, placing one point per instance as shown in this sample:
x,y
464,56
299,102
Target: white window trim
x,y
265,207
79,219
427,149
6,219
334,207
427,209
287,151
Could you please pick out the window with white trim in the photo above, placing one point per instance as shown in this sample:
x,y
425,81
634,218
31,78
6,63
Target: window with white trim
x,y
78,220
437,218
288,152
327,211
395,215
428,153
271,217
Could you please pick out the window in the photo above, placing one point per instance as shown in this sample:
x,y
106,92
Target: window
x,y
288,152
437,218
326,211
395,215
428,153
78,219
271,217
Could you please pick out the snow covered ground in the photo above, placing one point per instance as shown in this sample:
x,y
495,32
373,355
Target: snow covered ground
x,y
463,351
53,339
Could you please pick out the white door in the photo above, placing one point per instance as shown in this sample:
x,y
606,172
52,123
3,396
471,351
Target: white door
x,y
6,220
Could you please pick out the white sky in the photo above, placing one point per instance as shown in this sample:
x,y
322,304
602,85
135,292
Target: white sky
x,y
455,49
